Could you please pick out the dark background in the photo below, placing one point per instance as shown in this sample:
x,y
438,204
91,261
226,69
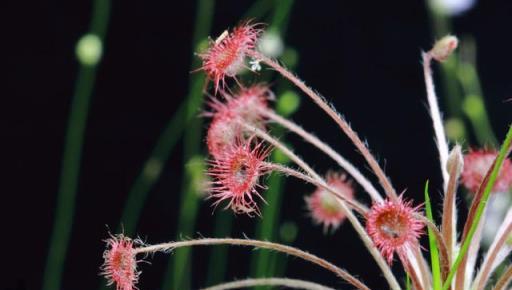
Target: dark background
x,y
362,55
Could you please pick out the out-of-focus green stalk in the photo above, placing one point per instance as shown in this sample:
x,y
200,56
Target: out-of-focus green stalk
x,y
474,105
218,259
89,51
177,275
266,228
151,171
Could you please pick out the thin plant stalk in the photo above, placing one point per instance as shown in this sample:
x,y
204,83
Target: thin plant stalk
x,y
493,257
297,174
68,186
345,127
449,219
480,205
435,114
342,162
474,104
504,280
393,283
166,247
313,177
152,170
277,282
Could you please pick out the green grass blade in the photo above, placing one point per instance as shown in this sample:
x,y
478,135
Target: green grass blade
x,y
434,251
408,285
151,171
481,206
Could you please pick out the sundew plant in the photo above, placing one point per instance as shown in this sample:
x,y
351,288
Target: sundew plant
x,y
390,227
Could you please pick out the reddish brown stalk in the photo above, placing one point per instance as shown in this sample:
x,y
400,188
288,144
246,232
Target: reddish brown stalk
x,y
441,245
345,127
486,270
504,280
412,274
448,225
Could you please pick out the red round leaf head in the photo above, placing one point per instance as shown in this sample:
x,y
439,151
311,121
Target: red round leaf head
x,y
120,265
476,165
324,207
236,176
225,57
393,226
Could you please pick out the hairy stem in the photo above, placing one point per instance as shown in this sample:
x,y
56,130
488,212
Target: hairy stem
x,y
361,209
350,215
435,114
258,244
279,282
322,146
449,220
487,265
345,127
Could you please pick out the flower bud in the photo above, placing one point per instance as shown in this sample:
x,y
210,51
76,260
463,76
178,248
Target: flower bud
x,y
444,48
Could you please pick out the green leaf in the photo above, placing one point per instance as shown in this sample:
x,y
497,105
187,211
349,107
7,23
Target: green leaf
x,y
434,251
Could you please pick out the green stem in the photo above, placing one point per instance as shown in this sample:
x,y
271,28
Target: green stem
x,y
504,151
474,105
151,171
66,196
218,256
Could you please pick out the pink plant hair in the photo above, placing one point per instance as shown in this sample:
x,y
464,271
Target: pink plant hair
x,y
477,163
236,176
247,105
394,227
120,264
225,57
323,206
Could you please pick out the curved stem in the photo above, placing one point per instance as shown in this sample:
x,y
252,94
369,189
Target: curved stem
x,y
283,282
322,146
165,247
393,283
435,114
360,145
